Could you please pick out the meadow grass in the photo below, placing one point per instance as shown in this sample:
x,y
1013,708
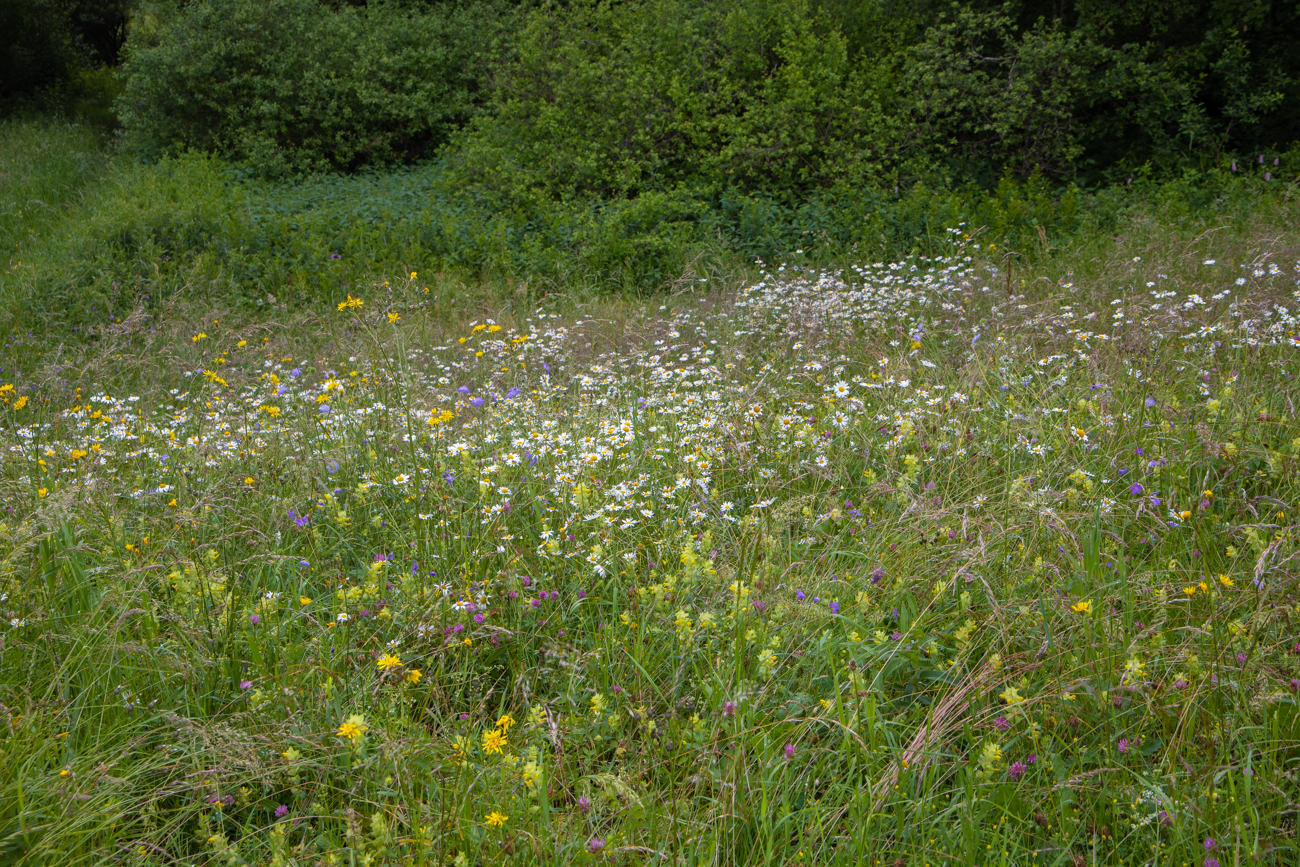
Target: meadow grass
x,y
910,563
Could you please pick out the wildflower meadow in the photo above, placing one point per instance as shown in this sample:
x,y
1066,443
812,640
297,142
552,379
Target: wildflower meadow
x,y
929,562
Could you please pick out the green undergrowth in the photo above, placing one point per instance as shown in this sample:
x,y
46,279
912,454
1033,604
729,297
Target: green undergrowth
x,y
100,236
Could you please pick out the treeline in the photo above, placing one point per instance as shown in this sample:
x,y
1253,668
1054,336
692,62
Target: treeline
x,y
621,138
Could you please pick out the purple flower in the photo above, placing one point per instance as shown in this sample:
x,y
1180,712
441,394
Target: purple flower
x,y
595,845
281,811
616,689
1150,402
1241,659
254,619
895,636
789,751
1180,684
479,618
584,804
1209,844
303,521
1165,819
1122,746
582,594
1135,489
536,603
513,393
728,709
295,373
476,401
1016,771
877,574
324,409
1001,724
464,389
1031,758
245,684
1210,861
835,608
798,594
304,564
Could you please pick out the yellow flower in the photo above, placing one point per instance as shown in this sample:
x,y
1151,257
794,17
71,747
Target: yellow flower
x,y
389,660
350,302
413,676
42,492
505,722
394,318
20,402
493,741
1190,591
1225,581
354,728
248,481
304,600
495,819
63,773
1011,696
1082,607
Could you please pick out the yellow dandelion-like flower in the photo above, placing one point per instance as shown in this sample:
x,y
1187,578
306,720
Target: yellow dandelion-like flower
x,y
1226,581
389,660
20,402
1190,590
394,318
350,302
505,722
354,728
1082,607
496,820
493,741
413,676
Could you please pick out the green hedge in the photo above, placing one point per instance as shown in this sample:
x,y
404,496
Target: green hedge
x,y
292,86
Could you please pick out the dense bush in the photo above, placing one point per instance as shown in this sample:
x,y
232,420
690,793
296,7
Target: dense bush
x,y
53,53
298,85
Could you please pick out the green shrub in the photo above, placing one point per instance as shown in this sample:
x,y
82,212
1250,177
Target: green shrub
x,y
299,86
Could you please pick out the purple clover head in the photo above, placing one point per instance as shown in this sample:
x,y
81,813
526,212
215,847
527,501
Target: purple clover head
x,y
245,685
1016,771
596,845
728,709
254,619
1122,746
1002,724
1209,844
789,752
584,804
281,811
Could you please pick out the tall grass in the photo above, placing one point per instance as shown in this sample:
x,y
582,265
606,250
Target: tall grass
x,y
923,563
